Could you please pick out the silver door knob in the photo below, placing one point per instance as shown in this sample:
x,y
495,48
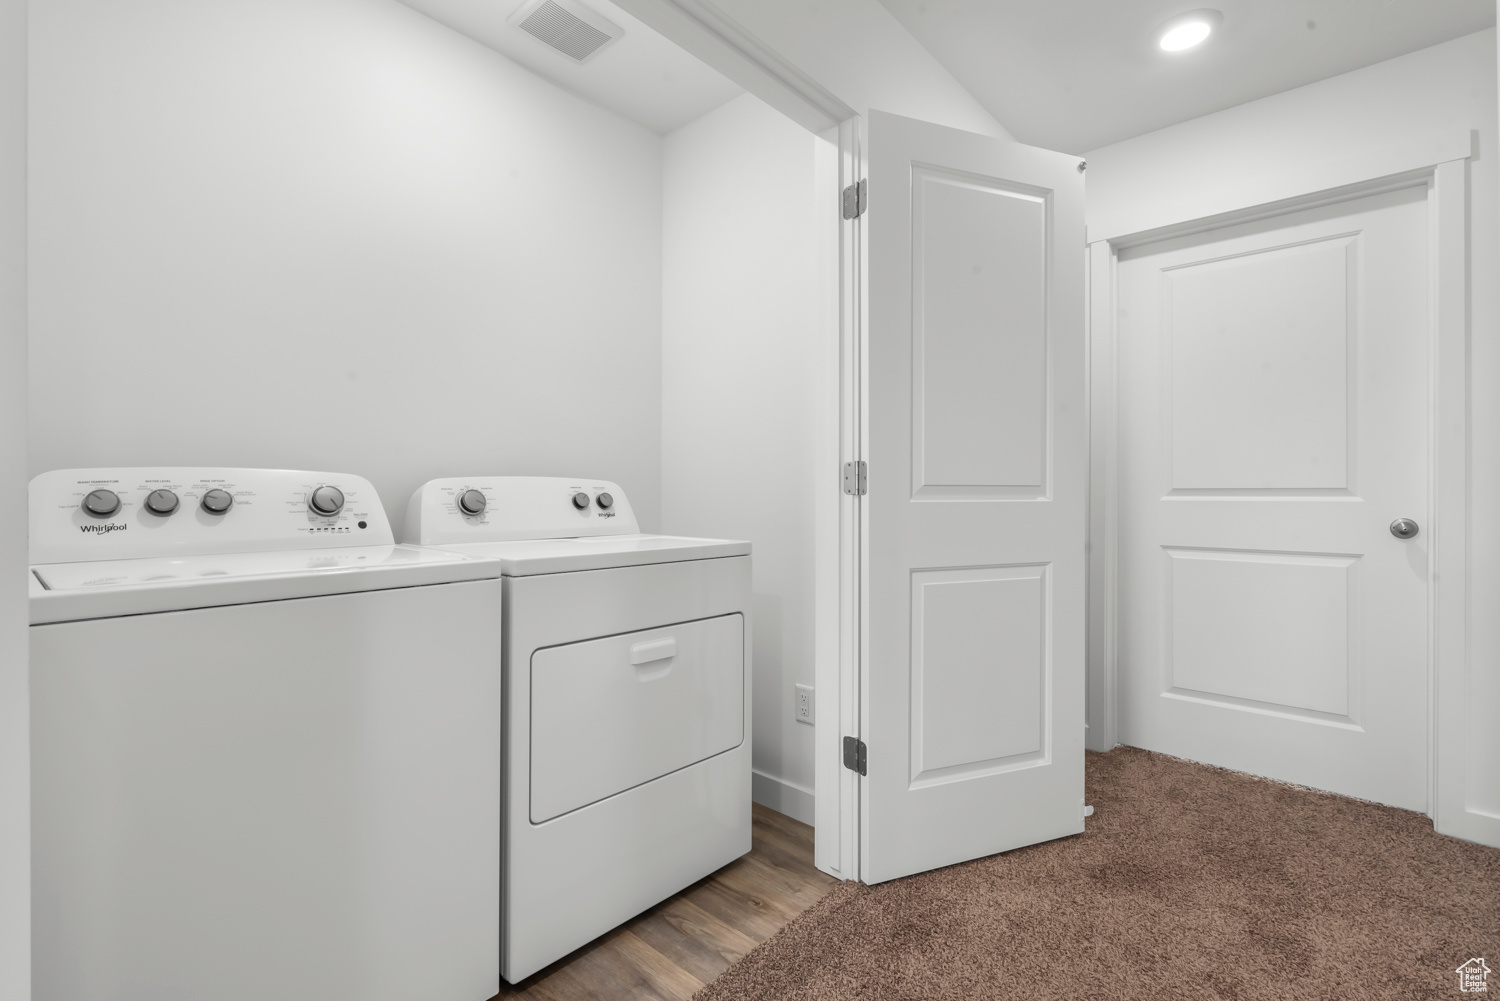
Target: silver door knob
x,y
1404,528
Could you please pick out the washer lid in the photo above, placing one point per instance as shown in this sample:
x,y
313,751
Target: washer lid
x,y
541,556
62,592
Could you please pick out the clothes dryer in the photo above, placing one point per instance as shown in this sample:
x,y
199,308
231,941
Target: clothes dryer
x,y
265,744
627,702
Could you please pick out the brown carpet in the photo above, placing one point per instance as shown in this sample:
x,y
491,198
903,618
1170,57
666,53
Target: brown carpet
x,y
1189,882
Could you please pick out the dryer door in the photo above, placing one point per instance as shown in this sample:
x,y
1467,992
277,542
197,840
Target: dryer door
x,y
611,714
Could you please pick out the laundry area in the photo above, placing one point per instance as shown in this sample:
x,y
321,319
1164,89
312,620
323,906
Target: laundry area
x,y
729,499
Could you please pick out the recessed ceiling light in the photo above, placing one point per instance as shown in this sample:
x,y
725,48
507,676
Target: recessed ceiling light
x,y
1187,30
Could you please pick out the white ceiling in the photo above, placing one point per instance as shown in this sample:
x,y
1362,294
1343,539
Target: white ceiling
x,y
1074,75
643,77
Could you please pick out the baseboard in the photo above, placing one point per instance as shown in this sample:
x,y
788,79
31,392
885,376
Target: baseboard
x,y
782,796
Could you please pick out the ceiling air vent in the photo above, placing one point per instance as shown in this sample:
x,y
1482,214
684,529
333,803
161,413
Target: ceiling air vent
x,y
567,26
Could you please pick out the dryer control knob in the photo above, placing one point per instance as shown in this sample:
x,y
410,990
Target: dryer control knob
x,y
101,503
581,501
161,501
605,501
217,501
471,502
326,501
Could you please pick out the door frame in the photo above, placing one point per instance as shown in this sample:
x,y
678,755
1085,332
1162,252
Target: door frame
x,y
841,536
1441,160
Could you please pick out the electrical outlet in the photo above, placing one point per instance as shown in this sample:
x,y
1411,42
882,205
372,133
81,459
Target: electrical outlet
x,y
802,708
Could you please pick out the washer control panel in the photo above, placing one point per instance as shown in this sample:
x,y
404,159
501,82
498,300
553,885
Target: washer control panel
x,y
140,512
515,508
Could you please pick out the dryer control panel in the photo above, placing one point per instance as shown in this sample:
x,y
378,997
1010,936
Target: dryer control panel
x,y
139,512
516,508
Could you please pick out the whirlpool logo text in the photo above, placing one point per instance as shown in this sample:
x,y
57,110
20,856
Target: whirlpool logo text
x,y
102,529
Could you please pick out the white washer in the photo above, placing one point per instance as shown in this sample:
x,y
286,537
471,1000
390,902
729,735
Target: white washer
x,y
264,744
627,702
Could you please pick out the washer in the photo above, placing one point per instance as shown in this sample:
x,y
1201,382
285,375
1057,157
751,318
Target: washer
x,y
627,702
265,744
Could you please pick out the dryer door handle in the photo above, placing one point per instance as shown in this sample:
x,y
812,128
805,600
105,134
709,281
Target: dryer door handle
x,y
654,650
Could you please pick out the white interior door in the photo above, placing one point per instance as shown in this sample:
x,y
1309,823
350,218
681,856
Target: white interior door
x,y
1273,410
975,517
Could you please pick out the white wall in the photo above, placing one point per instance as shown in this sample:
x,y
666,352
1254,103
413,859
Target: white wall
x,y
742,346
15,769
334,235
1448,86
1196,162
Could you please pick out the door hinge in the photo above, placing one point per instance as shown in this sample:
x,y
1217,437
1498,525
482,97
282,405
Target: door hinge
x,y
854,754
856,197
856,478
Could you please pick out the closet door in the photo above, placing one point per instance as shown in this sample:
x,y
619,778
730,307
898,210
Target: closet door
x,y
973,694
1274,520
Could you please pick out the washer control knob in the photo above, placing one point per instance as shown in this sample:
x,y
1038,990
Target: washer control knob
x,y
101,503
471,502
217,501
161,501
581,501
326,501
605,501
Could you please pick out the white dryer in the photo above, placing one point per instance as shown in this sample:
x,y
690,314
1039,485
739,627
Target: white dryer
x,y
627,702
264,744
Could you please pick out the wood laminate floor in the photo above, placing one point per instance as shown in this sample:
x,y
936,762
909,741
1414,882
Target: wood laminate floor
x,y
686,941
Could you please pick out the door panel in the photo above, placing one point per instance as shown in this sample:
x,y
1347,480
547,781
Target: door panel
x,y
1218,609
979,407
974,522
1273,423
979,671
1230,432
